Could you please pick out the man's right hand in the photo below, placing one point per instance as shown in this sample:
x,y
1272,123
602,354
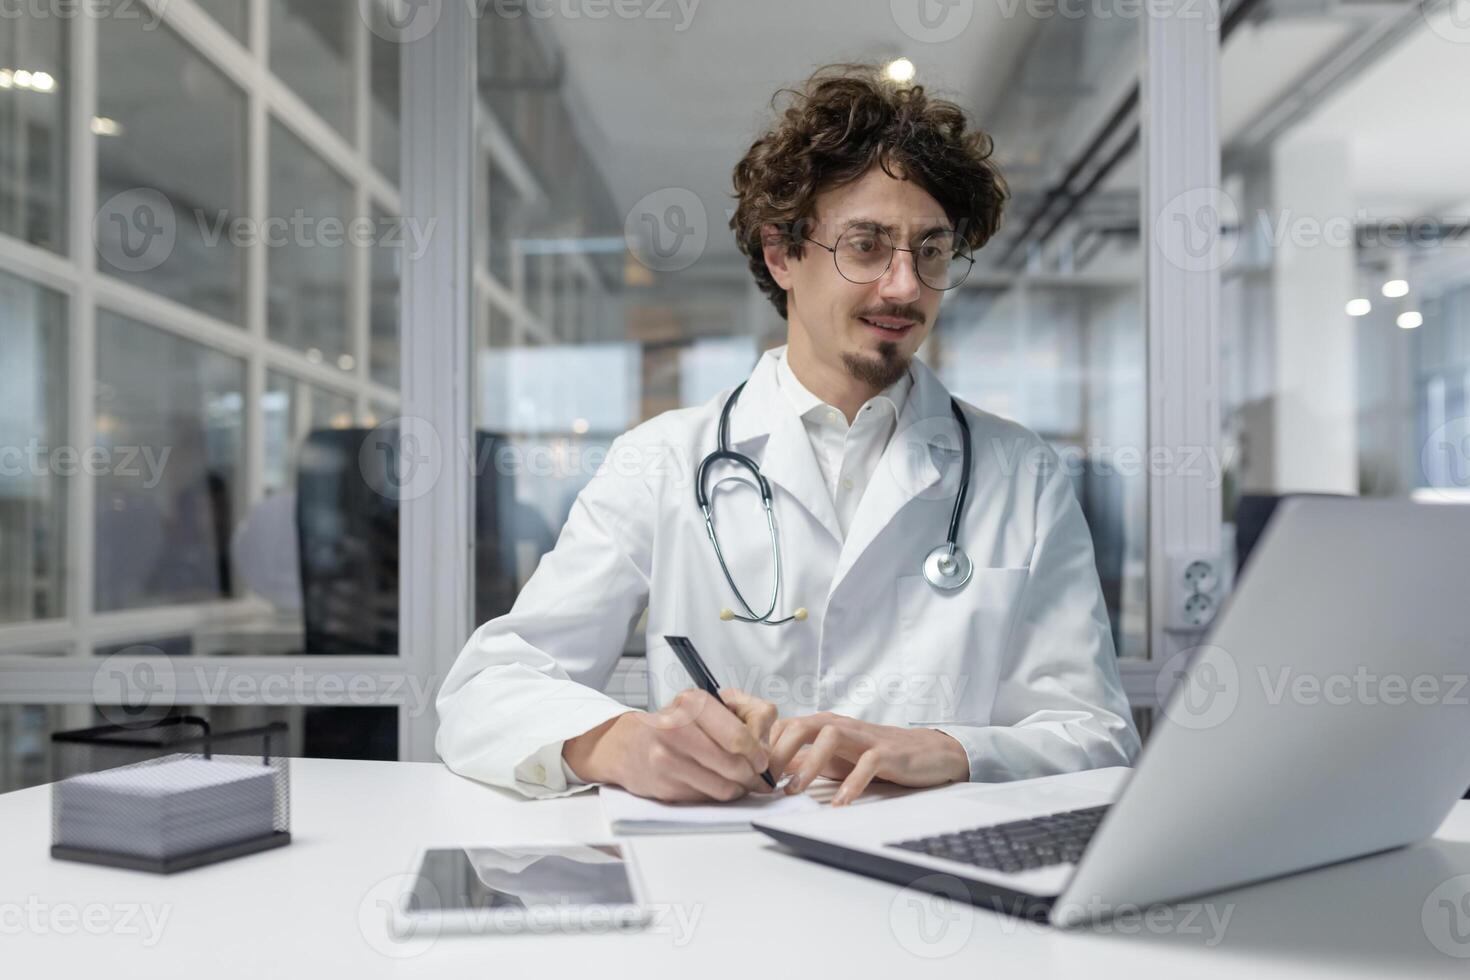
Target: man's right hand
x,y
693,749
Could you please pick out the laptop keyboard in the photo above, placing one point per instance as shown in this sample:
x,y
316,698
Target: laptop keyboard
x,y
1021,845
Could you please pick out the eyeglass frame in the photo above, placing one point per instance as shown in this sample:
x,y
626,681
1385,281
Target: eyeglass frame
x,y
894,249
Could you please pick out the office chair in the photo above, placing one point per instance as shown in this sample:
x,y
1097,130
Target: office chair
x,y
348,542
1253,513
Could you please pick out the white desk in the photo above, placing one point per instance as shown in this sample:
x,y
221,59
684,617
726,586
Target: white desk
x,y
310,909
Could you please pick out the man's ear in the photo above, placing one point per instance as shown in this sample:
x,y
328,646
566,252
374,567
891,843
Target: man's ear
x,y
773,246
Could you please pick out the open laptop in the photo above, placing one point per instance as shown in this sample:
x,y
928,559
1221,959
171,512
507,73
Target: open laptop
x,y
1326,718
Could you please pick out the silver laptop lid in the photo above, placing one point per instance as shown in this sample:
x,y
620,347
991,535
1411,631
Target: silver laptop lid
x,y
1326,716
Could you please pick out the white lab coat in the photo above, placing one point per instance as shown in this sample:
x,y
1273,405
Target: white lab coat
x,y
1018,666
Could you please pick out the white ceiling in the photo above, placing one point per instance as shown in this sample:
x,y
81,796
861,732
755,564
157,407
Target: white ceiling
x,y
663,108
1407,120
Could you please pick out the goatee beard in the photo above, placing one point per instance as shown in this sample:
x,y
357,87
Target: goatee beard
x,y
877,372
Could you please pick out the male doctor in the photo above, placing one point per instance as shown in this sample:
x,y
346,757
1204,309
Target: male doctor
x,y
858,210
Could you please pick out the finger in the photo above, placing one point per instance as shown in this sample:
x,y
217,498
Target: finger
x,y
694,743
707,782
728,731
758,715
862,774
828,740
801,731
796,734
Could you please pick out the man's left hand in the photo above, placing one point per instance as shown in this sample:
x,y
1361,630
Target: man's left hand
x,y
857,752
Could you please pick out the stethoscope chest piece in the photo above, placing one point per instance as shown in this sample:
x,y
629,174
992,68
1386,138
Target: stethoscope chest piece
x,y
947,571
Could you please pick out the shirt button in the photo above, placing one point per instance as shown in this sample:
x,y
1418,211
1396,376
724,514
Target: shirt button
x,y
832,416
539,772
847,483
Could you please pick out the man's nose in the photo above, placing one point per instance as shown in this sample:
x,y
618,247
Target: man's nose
x,y
900,284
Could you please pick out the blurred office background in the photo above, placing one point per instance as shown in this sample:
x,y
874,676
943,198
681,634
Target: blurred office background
x,y
229,388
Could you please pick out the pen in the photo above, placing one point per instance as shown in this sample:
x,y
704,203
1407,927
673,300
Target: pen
x,y
703,679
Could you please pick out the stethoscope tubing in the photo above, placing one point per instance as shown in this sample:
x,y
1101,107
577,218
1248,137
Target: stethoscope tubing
x,y
724,452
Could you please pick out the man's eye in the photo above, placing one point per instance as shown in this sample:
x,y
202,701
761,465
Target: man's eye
x,y
932,252
862,244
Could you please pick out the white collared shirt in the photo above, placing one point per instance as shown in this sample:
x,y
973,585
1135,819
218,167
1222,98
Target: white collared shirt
x,y
847,454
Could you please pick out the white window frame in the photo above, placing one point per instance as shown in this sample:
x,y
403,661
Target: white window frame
x,y
51,662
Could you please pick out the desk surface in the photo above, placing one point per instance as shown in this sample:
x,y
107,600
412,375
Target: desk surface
x,y
730,903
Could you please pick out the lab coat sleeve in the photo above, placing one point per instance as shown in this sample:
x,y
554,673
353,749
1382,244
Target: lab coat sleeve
x,y
531,679
1059,704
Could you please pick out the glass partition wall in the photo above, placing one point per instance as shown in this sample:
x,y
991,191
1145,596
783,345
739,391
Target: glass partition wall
x,y
198,320
215,327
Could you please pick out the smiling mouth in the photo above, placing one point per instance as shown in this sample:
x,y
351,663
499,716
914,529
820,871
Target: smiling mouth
x,y
888,324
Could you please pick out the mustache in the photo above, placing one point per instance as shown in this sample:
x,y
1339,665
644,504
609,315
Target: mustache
x,y
902,312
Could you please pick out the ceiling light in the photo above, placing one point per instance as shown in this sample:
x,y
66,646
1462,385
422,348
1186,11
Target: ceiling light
x,y
106,126
347,362
580,426
1395,288
900,70
313,355
1410,319
35,81
1359,307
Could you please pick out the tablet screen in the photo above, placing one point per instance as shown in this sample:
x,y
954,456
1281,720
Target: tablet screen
x,y
480,878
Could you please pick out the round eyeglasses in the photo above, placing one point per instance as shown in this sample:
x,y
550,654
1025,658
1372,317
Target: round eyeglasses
x,y
863,254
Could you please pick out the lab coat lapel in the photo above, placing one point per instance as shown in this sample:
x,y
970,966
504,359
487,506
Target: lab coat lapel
x,y
922,459
766,428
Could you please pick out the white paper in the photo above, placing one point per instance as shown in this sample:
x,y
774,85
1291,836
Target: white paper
x,y
629,814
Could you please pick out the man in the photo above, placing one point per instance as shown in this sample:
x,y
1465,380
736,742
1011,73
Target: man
x,y
857,211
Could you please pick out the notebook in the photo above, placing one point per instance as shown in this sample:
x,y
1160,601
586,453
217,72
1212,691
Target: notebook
x,y
629,814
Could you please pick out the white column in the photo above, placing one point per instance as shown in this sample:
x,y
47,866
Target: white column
x,y
436,532
1314,414
1182,211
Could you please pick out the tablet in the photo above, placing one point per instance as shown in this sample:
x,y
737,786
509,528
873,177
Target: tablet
x,y
516,889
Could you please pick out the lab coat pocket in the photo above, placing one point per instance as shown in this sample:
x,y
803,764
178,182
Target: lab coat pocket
x,y
954,644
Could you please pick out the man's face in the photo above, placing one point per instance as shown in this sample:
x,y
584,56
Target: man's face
x,y
869,330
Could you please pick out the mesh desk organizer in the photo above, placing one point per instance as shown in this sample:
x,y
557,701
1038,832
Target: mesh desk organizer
x,y
170,796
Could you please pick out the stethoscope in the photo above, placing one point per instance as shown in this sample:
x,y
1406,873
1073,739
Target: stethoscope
x,y
947,567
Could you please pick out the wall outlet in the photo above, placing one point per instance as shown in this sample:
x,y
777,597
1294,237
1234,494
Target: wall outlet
x,y
1195,593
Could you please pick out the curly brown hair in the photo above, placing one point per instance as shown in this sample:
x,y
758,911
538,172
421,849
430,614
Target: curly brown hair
x,y
844,120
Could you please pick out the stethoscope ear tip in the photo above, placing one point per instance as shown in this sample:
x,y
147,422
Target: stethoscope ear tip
x,y
727,614
800,614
